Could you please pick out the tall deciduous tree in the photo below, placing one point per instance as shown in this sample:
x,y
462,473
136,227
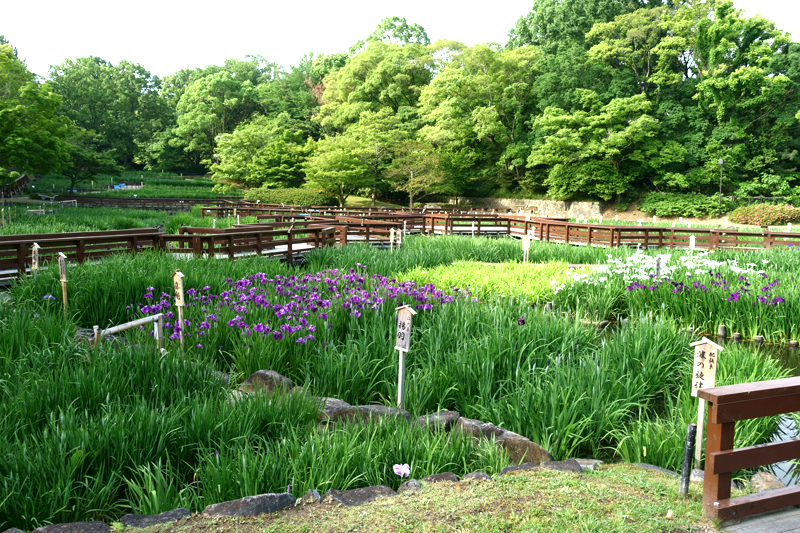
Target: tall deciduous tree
x,y
336,169
120,103
600,149
32,136
479,102
87,158
417,170
264,152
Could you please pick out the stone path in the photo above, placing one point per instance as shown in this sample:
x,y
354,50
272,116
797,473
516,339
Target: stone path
x,y
785,521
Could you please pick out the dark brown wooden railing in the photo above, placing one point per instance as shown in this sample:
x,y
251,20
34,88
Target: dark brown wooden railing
x,y
726,406
15,250
138,203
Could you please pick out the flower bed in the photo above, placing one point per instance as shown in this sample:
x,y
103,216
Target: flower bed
x,y
765,215
286,308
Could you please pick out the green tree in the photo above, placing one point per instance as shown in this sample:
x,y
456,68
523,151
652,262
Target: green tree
x,y
383,75
87,158
336,169
121,103
373,139
480,102
417,170
600,149
264,152
32,136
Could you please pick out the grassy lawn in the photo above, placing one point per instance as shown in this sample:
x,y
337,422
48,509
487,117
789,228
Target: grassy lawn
x,y
360,201
622,498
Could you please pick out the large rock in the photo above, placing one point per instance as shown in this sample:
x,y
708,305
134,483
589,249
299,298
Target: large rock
x,y
412,485
441,421
764,481
12,529
75,527
311,497
589,464
329,408
444,476
267,381
362,412
382,411
478,429
518,468
521,449
147,520
480,476
518,447
570,465
251,505
354,497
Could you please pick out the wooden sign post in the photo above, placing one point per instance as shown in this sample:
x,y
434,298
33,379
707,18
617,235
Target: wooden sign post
x,y
391,240
526,247
401,343
177,280
35,258
62,274
704,376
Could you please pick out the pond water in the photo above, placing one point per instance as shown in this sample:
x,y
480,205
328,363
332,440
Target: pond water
x,y
789,471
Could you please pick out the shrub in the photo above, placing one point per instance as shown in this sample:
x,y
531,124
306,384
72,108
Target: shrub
x,y
290,196
683,204
765,214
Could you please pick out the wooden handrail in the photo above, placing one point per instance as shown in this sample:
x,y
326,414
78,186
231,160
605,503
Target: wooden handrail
x,y
726,406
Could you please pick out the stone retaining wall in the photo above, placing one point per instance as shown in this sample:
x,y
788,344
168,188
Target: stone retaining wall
x,y
540,207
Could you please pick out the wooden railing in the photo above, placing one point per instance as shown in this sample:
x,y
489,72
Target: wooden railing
x,y
15,250
726,406
230,242
139,203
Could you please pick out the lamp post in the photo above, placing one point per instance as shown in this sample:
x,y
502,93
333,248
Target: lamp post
x,y
719,206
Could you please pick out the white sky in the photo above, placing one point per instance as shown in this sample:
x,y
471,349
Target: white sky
x,y
166,35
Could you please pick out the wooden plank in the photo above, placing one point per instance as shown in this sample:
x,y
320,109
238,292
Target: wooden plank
x,y
752,456
762,502
755,408
747,391
716,487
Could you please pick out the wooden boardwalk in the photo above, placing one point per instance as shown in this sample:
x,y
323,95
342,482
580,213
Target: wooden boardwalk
x,y
785,521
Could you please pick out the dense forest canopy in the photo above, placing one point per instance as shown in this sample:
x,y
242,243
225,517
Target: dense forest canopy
x,y
588,98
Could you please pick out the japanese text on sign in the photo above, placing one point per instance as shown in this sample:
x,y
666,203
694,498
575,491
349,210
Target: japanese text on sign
x,y
403,337
177,279
704,368
62,266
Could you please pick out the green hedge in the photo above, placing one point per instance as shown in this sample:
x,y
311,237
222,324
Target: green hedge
x,y
290,197
683,204
765,215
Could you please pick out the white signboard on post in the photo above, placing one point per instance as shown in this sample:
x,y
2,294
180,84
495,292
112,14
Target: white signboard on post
x,y
704,376
62,267
402,342
62,273
177,280
35,258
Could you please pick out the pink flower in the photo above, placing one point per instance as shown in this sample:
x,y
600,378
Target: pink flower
x,y
402,470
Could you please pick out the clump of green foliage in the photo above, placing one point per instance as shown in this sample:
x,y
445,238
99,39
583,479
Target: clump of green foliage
x,y
526,280
289,196
765,214
683,204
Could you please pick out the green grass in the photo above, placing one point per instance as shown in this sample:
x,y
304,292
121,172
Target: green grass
x,y
615,498
92,435
360,201
156,185
73,219
485,280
